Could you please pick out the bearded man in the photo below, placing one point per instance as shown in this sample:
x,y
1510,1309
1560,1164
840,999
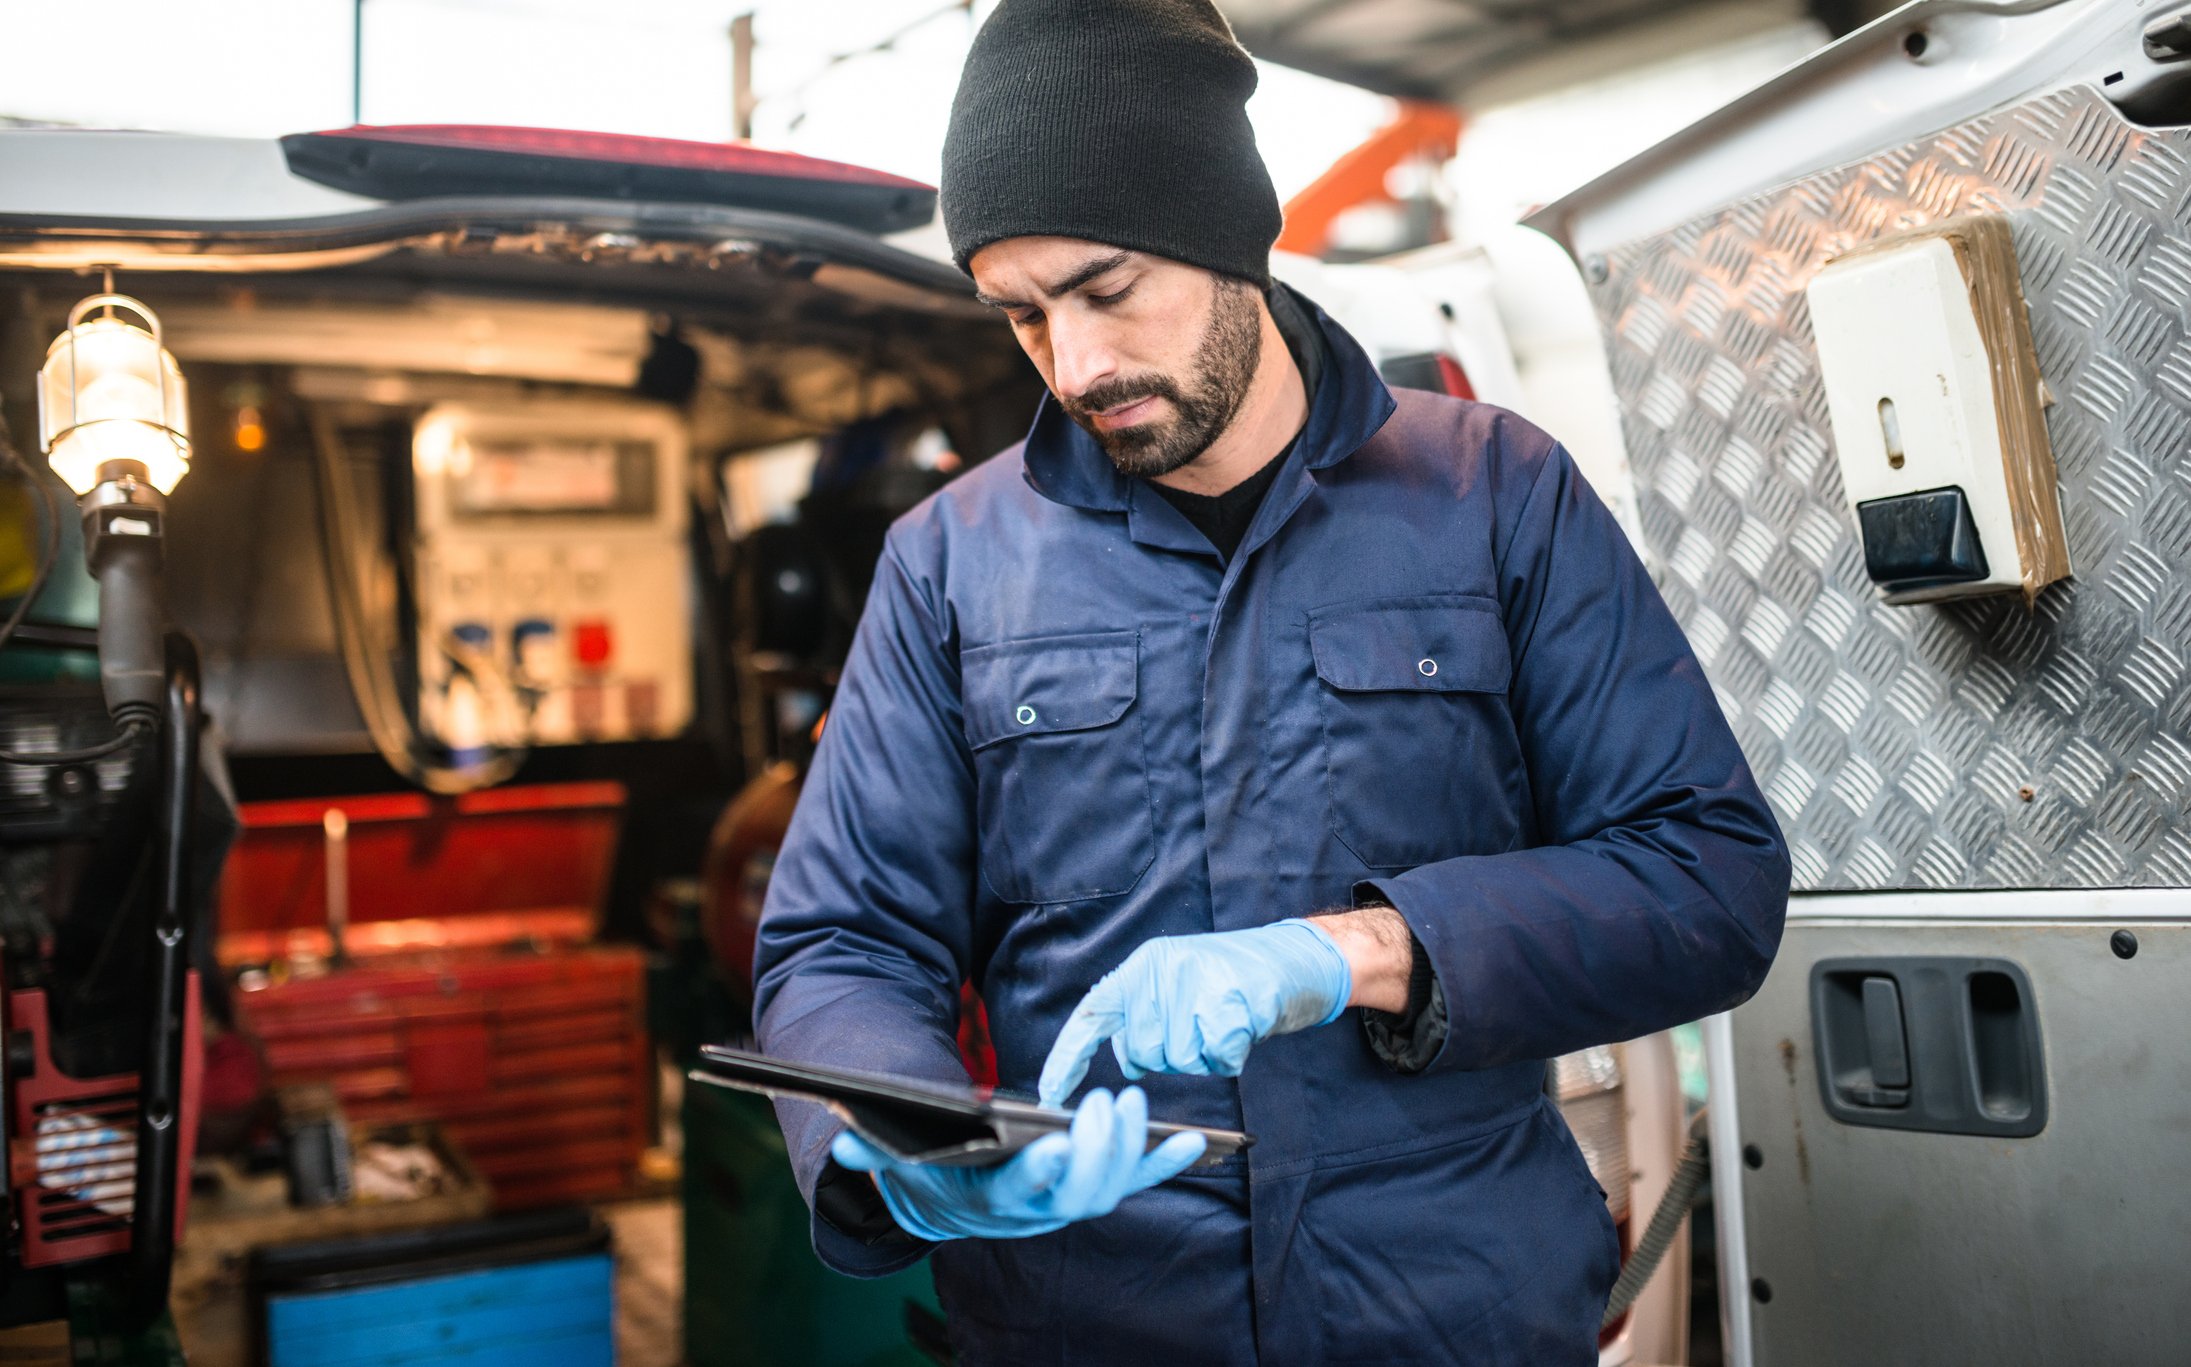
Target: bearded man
x,y
1322,749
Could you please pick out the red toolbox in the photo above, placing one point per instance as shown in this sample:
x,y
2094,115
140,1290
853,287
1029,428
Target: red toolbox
x,y
471,993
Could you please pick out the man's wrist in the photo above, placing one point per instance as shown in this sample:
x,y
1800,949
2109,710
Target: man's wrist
x,y
1380,954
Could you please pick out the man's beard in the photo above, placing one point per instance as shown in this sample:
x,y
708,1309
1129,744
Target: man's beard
x,y
1203,406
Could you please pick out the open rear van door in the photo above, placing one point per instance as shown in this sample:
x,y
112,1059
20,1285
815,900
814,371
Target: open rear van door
x,y
1952,1126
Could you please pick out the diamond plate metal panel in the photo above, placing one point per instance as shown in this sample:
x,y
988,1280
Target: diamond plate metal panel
x,y
1975,744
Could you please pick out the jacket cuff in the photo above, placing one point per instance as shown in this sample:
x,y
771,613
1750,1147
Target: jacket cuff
x,y
840,1252
853,1231
901,1041
852,1206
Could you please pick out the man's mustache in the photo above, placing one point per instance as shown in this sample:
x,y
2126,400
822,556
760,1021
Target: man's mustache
x,y
1117,394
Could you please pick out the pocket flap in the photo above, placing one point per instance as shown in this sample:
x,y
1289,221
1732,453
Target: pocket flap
x,y
1453,646
1056,683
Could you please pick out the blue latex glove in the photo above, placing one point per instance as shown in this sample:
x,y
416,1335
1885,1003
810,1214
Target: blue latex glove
x,y
1197,1003
1103,1159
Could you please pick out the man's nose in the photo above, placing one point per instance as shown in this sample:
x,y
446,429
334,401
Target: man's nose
x,y
1079,360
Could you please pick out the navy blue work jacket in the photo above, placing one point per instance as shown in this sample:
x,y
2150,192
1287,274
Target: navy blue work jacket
x,y
1433,674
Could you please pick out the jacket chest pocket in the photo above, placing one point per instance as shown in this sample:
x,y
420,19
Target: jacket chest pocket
x,y
1065,810
1419,746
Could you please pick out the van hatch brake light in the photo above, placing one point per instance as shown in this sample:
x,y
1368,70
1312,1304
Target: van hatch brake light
x,y
419,161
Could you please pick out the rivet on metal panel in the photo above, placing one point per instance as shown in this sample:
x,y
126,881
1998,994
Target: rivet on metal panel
x,y
2124,944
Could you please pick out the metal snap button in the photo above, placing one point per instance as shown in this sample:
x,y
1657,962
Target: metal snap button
x,y
1427,666
1026,715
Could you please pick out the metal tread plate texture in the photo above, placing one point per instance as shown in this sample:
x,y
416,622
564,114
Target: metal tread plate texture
x,y
1973,744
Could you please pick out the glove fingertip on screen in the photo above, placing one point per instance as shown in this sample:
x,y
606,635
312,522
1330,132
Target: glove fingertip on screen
x,y
1060,1074
1053,1089
1097,1018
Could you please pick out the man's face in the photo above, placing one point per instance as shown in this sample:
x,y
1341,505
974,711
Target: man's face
x,y
1151,356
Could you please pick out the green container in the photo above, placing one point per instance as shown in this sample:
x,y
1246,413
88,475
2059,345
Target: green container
x,y
755,1294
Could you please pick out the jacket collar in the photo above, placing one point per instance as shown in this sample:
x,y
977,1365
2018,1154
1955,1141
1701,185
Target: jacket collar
x,y
1350,404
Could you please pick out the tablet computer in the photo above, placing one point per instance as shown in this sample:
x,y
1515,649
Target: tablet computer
x,y
919,1121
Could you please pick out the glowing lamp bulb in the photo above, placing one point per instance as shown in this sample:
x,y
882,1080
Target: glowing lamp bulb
x,y
110,391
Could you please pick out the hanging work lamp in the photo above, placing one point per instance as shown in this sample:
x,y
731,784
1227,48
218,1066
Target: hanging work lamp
x,y
110,397
114,421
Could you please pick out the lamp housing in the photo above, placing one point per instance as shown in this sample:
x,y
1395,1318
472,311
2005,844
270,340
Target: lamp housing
x,y
111,395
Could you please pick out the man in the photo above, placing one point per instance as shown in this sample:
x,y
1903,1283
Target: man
x,y
1245,695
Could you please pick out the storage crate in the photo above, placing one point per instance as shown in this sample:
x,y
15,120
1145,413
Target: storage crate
x,y
535,1289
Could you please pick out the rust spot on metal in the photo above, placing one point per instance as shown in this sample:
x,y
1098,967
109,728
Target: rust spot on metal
x,y
1795,1114
2027,792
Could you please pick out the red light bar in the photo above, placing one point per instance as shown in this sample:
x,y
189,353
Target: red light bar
x,y
736,157
412,161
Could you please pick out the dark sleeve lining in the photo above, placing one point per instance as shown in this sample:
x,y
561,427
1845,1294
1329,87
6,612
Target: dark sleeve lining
x,y
1408,1039
850,1202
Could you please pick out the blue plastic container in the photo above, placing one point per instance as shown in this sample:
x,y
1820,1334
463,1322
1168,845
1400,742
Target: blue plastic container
x,y
535,1290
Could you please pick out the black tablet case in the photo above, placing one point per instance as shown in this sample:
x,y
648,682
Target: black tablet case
x,y
921,1121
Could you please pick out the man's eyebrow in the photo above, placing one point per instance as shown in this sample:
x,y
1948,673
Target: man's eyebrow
x,y
1087,271
1080,275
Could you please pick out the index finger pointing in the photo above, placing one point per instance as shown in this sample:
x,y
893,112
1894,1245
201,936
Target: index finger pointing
x,y
1100,1015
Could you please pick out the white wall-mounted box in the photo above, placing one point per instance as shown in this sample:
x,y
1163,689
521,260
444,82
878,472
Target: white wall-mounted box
x,y
1937,407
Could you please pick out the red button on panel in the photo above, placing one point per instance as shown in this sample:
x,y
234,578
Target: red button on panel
x,y
591,642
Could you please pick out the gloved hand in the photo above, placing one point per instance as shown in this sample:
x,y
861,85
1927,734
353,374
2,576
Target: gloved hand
x,y
1196,1003
1046,1186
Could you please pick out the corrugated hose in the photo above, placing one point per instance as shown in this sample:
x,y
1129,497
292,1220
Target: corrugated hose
x,y
1658,1236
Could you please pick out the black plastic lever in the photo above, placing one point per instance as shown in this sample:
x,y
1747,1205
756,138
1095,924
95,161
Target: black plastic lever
x,y
1887,1052
1863,1043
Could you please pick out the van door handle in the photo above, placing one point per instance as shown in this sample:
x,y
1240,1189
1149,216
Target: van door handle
x,y
1887,1046
1943,1044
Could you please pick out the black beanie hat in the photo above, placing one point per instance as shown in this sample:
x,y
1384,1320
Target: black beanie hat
x,y
1120,121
